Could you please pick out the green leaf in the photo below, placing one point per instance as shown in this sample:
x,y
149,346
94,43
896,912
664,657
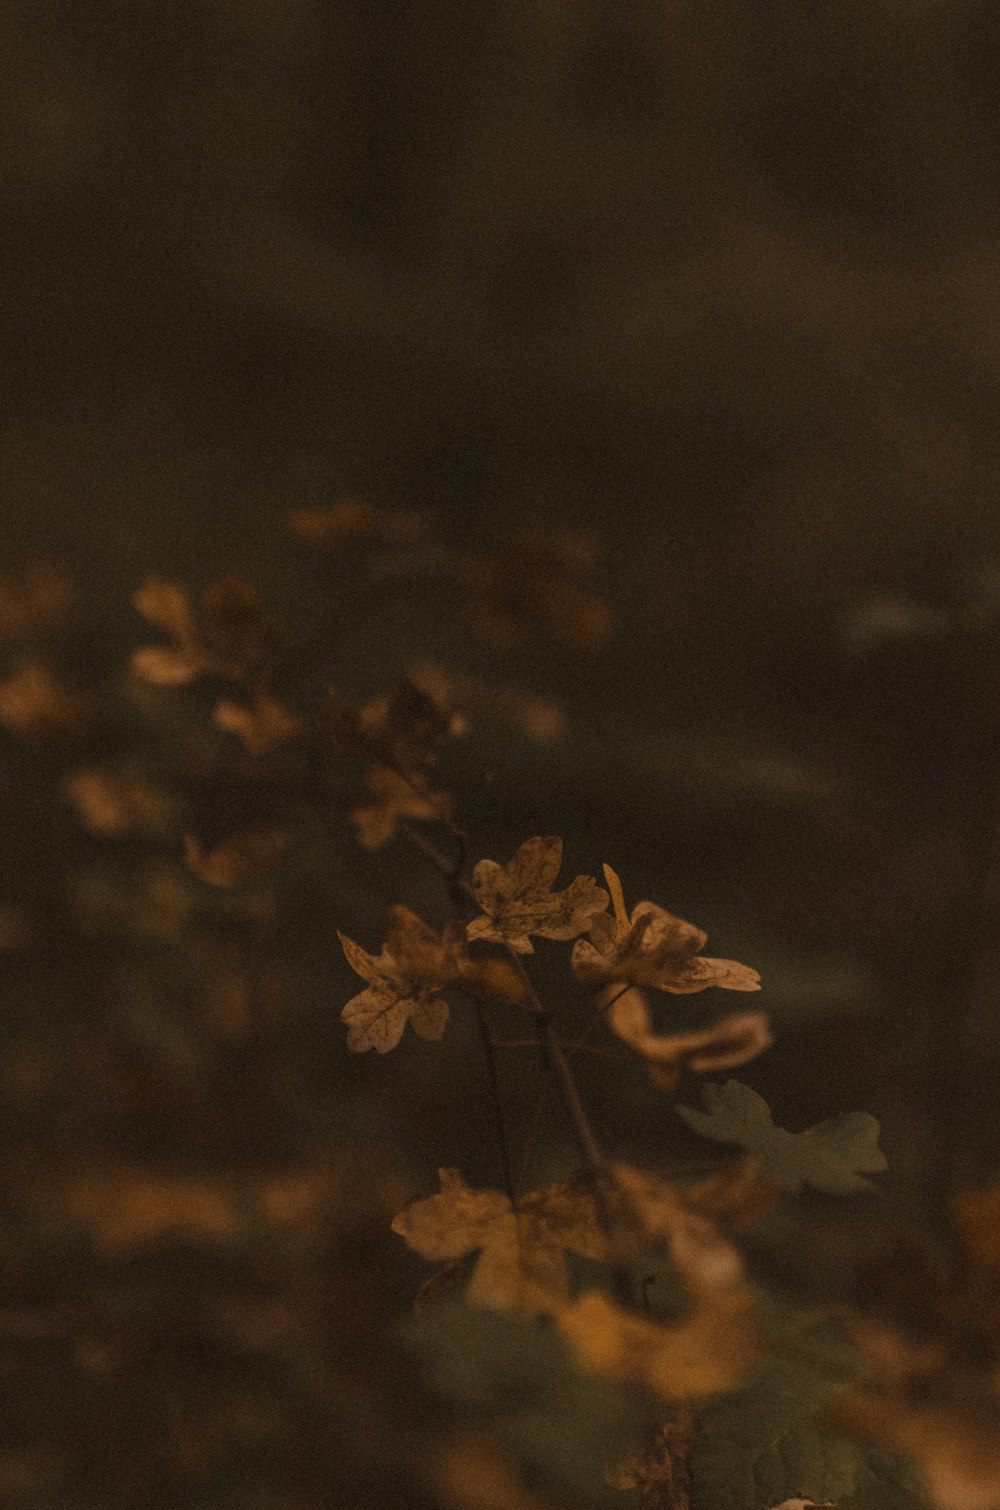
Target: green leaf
x,y
833,1156
563,1428
764,1444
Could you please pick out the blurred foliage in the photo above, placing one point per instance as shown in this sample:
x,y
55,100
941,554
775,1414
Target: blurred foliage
x,y
716,283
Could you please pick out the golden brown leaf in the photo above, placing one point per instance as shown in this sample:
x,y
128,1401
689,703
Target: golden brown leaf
x,y
395,799
661,1473
521,1264
262,726
710,1350
35,703
242,857
402,730
651,947
517,898
539,718
229,638
733,1040
351,519
404,983
537,575
113,804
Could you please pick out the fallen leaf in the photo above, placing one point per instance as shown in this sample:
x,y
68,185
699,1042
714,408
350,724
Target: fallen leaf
x,y
517,898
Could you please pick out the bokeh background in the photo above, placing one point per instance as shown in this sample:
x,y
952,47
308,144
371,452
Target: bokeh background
x,y
718,283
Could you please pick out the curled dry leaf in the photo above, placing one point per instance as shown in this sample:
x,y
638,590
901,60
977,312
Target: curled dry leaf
x,y
734,1040
35,703
38,602
262,726
242,857
113,804
537,576
651,947
354,520
517,898
395,799
539,718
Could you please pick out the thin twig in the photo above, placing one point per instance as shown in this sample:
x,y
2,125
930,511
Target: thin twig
x,y
489,1053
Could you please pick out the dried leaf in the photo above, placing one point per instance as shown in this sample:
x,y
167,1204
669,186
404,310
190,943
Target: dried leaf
x,y
403,730
517,898
242,857
834,1156
229,637
404,983
710,1350
661,1472
113,803
395,799
521,1264
35,703
262,726
651,947
536,576
539,718
352,520
732,1041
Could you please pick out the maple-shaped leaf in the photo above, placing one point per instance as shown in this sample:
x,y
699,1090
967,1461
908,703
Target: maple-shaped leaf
x,y
519,1267
405,982
651,947
834,1156
732,1041
767,1444
262,726
517,898
396,798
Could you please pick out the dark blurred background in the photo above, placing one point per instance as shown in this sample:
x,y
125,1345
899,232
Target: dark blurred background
x,y
718,283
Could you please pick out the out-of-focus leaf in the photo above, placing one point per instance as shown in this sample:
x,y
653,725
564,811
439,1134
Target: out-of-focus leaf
x,y
564,1429
834,1156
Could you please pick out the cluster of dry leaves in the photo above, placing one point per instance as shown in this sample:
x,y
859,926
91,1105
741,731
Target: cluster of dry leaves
x,y
932,1380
